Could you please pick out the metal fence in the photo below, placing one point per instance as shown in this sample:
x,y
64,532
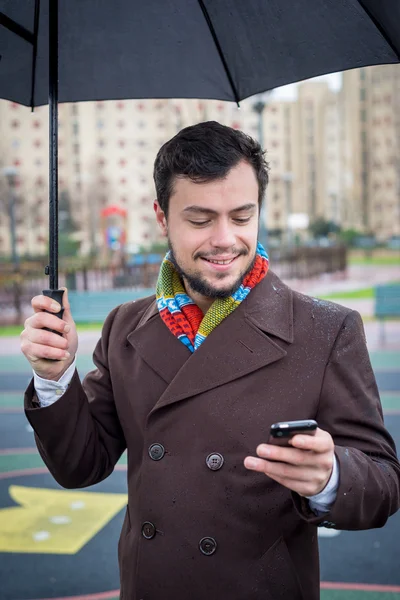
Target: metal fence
x,y
17,288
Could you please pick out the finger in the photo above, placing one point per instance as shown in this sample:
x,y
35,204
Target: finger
x,y
41,302
303,488
292,456
46,338
281,470
67,316
37,352
320,442
43,319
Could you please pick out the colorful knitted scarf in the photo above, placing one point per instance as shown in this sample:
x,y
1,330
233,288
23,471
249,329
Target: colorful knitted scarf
x,y
184,318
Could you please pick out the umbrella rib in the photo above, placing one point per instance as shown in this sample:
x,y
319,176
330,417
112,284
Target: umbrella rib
x,y
16,28
34,54
379,27
219,49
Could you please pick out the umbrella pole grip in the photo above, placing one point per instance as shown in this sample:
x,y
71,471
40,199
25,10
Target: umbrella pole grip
x,y
56,295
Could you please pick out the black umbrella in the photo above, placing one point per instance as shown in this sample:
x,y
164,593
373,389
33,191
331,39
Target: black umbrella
x,y
220,49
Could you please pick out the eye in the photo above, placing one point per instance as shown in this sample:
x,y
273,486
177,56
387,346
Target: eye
x,y
243,220
199,223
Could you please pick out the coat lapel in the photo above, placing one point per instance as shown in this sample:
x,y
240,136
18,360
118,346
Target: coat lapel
x,y
161,350
237,347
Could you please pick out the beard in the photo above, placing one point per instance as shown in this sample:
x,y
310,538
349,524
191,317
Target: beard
x,y
199,284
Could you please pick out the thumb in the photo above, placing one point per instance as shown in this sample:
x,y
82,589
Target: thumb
x,y
67,316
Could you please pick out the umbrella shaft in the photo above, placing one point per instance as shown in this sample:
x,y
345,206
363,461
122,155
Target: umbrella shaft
x,y
53,144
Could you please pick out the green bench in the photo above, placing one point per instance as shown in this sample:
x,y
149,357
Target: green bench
x,y
93,307
387,303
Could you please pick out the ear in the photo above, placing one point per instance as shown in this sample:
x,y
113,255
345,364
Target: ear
x,y
161,218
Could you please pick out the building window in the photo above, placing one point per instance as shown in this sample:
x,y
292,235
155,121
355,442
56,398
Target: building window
x,y
37,143
75,148
74,110
75,128
15,123
36,124
363,94
121,124
100,124
15,144
120,105
122,181
122,162
101,143
100,105
17,162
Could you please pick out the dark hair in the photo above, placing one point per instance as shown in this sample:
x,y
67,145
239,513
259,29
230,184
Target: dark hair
x,y
206,152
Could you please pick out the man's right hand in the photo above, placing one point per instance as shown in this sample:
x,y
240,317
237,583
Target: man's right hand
x,y
39,345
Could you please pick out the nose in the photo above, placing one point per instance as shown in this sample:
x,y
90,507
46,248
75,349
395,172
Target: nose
x,y
222,235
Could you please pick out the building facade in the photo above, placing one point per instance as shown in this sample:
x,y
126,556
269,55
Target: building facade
x,y
332,155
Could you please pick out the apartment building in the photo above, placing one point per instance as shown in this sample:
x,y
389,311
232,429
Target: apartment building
x,y
332,154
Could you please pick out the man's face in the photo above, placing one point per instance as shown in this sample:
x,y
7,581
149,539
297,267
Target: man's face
x,y
210,222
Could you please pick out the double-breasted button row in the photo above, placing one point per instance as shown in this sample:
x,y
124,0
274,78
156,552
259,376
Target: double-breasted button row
x,y
207,545
214,461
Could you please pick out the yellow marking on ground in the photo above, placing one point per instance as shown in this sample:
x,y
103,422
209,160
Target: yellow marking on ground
x,y
55,521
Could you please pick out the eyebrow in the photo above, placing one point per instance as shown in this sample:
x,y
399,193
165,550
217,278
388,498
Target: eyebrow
x,y
202,210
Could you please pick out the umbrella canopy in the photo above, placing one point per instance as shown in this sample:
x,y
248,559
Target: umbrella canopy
x,y
220,49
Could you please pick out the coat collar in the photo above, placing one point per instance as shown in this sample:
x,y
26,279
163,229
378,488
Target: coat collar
x,y
237,347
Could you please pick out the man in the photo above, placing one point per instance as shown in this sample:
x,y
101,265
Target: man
x,y
191,383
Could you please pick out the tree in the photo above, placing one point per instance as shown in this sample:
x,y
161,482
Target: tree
x,y
322,228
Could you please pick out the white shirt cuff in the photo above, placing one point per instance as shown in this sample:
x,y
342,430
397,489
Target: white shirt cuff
x,y
49,391
322,502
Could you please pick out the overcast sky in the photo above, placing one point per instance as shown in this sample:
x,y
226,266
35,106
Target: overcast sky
x,y
289,92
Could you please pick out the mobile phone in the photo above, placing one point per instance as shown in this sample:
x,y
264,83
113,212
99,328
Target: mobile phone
x,y
280,433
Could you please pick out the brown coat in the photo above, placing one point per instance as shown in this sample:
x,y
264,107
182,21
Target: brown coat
x,y
279,356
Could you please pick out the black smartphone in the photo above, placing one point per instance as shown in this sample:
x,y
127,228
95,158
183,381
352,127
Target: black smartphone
x,y
280,433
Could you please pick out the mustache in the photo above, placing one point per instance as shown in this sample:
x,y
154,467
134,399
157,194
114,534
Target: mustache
x,y
218,253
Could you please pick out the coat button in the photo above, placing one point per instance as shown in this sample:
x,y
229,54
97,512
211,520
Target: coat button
x,y
156,451
207,546
214,461
148,530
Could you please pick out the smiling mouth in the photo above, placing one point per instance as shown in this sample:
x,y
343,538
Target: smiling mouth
x,y
219,262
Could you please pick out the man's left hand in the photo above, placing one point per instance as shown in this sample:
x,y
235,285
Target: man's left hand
x,y
304,467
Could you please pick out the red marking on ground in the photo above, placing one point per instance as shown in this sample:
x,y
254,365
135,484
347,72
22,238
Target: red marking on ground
x,y
22,472
41,471
19,451
99,596
363,587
